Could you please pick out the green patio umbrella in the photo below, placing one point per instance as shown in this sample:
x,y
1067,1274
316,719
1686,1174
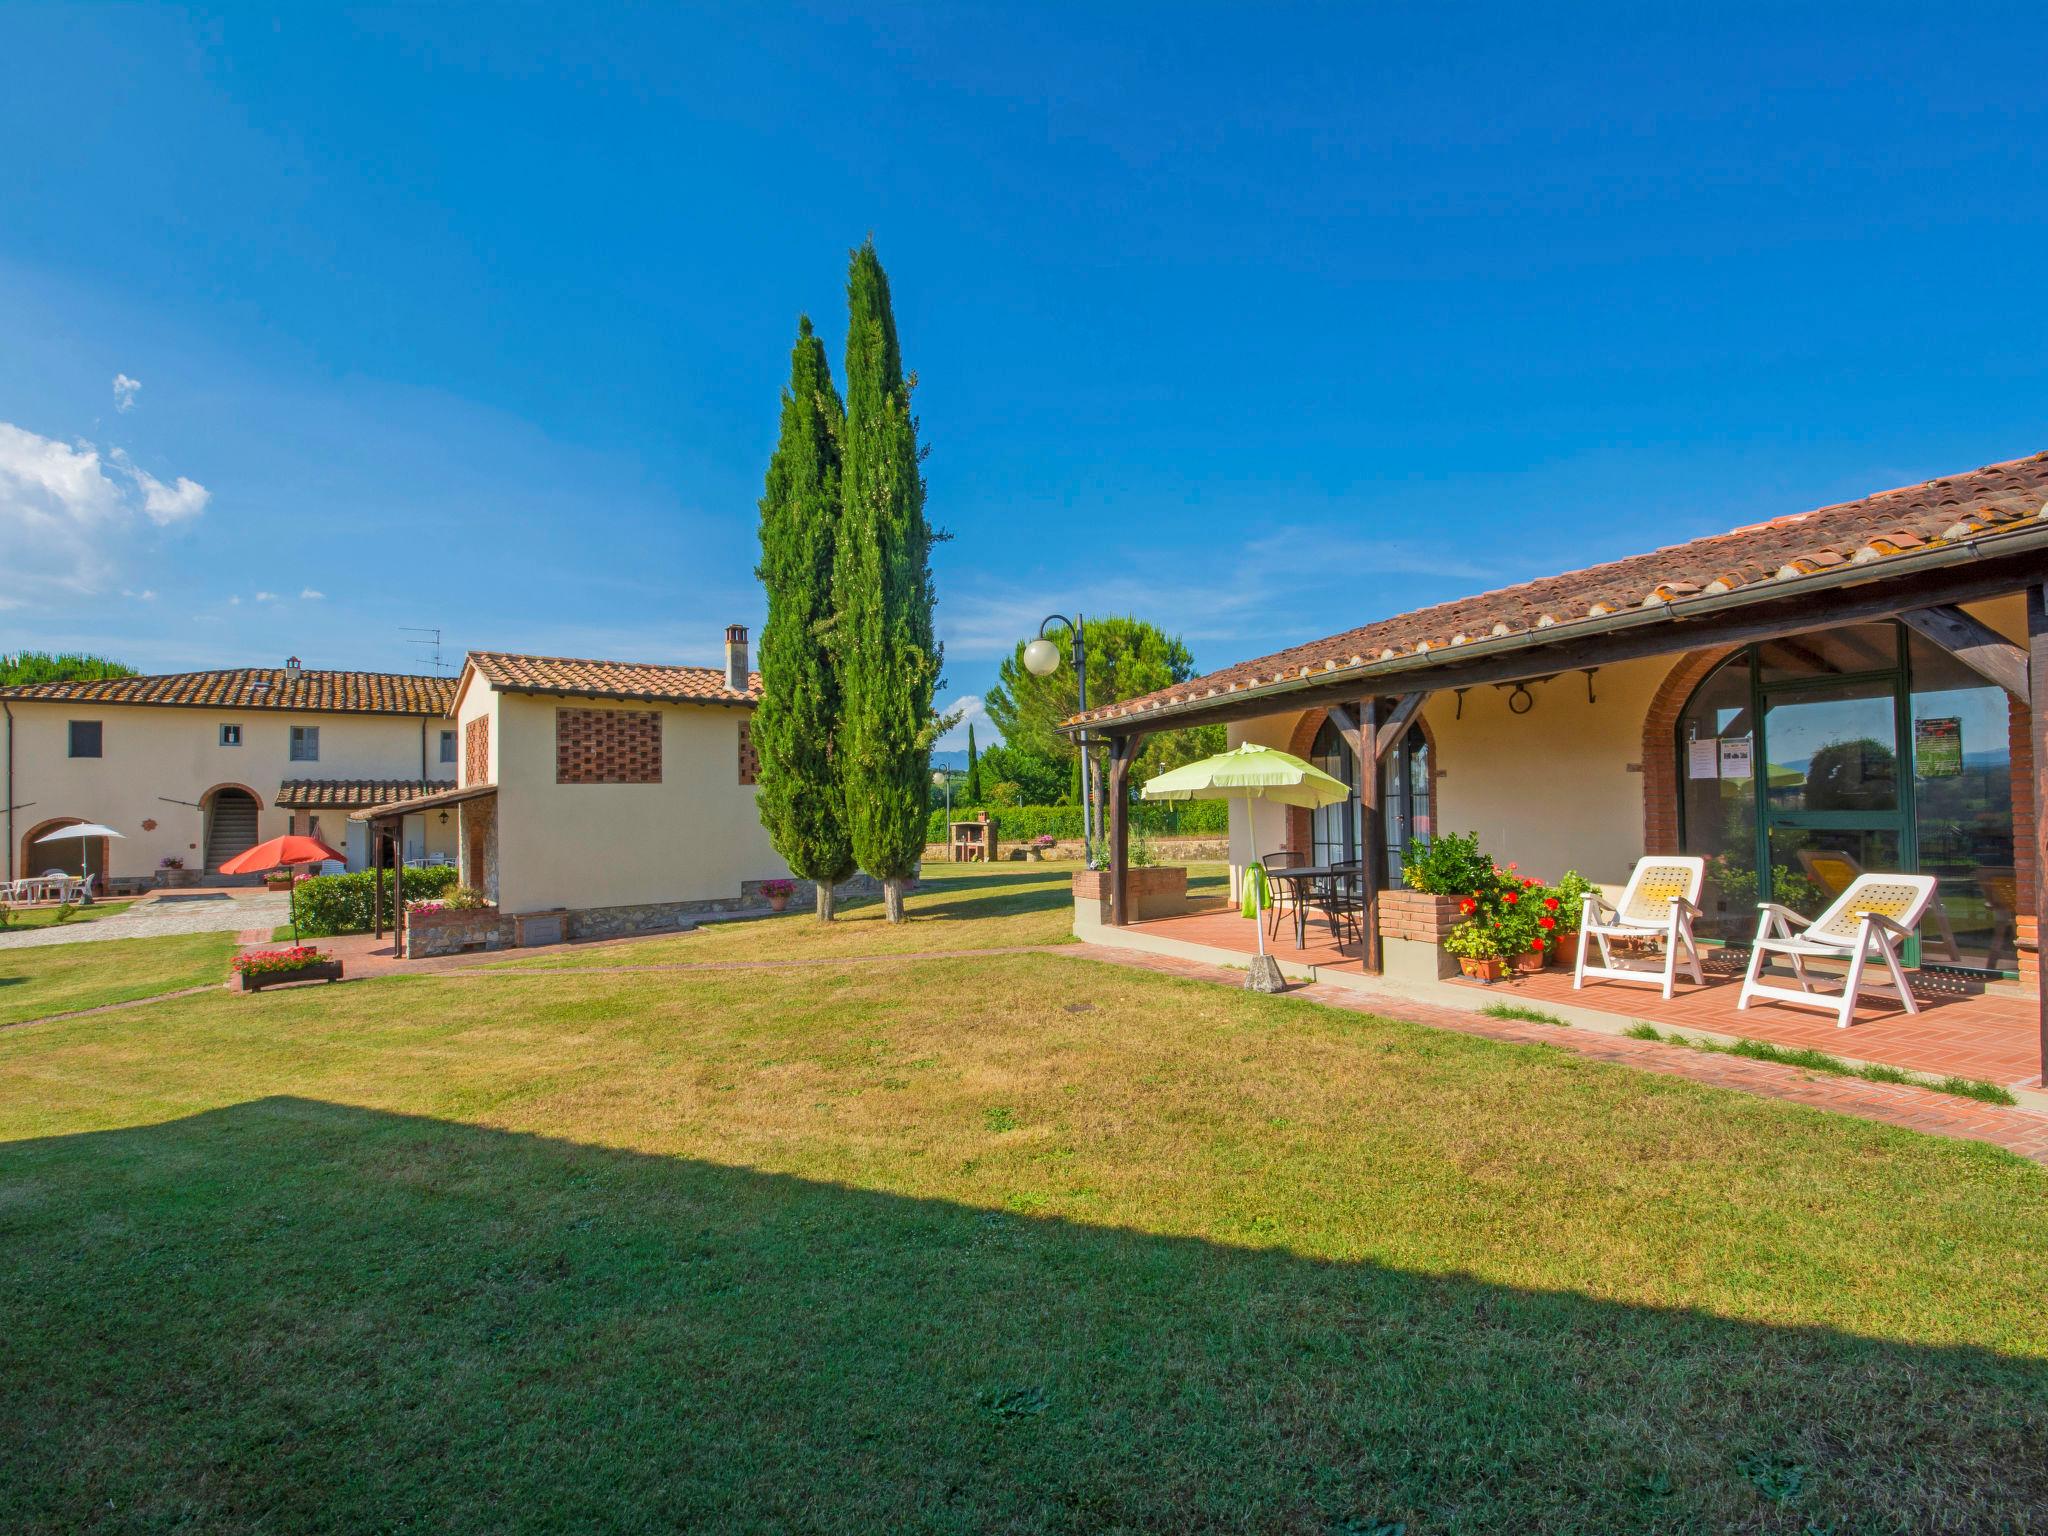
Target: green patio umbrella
x,y
1250,773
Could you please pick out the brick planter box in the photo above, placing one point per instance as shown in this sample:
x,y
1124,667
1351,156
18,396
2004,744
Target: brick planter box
x,y
1412,929
320,970
1157,890
449,932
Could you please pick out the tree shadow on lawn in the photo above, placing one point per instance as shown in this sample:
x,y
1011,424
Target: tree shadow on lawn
x,y
1006,895
307,1316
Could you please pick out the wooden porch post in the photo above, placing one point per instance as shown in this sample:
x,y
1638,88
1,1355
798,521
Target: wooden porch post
x,y
398,890
376,881
2037,736
1372,858
1120,753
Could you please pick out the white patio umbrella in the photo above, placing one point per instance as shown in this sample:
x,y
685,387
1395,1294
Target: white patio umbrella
x,y
79,829
1249,773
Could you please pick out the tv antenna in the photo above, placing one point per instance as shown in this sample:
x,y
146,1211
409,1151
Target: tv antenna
x,y
430,641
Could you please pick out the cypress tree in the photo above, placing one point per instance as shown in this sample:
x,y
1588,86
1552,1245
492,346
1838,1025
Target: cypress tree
x,y
973,770
887,654
801,801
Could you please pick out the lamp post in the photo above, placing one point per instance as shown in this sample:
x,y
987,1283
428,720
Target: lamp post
x,y
1042,659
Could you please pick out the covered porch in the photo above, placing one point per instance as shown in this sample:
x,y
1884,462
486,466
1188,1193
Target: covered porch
x,y
1859,689
1987,1032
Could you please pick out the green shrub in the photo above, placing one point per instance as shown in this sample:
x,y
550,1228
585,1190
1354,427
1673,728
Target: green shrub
x,y
1449,864
1021,823
331,904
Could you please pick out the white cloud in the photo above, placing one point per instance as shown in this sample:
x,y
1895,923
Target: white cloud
x,y
266,597
68,525
971,711
146,595
164,504
124,392
310,595
234,602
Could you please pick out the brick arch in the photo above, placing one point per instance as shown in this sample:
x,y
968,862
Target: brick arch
x,y
1660,745
261,804
1300,826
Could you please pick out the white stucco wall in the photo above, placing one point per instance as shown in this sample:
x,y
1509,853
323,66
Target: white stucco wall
x,y
153,757
693,837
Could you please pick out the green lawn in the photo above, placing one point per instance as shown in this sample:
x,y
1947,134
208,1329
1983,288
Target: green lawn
x,y
58,978
1021,1243
957,906
46,917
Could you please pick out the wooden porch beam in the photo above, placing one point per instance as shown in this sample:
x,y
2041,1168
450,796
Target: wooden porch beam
x,y
1365,724
1396,726
1665,636
1975,644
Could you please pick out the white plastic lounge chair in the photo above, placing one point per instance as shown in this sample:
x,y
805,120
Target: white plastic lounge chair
x,y
1873,917
1661,902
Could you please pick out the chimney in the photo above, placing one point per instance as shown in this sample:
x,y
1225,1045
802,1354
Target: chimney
x,y
736,657
291,668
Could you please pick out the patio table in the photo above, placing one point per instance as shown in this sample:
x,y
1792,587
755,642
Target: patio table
x,y
1304,884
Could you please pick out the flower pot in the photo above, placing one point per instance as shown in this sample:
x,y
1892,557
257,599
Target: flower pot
x,y
778,903
320,970
1568,948
1482,970
1530,960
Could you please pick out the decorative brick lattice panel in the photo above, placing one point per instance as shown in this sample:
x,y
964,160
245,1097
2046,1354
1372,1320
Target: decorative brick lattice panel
x,y
607,746
476,751
750,760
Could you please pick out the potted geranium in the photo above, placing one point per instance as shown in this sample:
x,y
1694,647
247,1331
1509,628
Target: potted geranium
x,y
1042,844
275,967
1566,902
1480,949
778,893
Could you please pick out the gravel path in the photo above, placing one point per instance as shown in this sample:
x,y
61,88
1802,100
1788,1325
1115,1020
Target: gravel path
x,y
160,915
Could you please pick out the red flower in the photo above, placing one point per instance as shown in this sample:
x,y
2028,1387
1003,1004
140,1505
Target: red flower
x,y
1513,865
1511,897
1468,906
1550,903
1546,923
1531,883
1535,946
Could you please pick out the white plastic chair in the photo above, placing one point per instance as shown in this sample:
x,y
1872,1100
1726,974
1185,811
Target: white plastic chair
x,y
1872,917
1661,901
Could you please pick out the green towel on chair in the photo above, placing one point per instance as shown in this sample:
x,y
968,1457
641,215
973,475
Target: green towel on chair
x,y
1256,895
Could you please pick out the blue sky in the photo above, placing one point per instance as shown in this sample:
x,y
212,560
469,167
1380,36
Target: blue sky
x,y
1255,323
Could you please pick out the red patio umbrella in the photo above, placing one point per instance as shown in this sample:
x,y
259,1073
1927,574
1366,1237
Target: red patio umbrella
x,y
281,853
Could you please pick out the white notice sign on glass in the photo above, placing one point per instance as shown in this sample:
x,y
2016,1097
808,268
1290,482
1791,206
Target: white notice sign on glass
x,y
1702,758
1735,758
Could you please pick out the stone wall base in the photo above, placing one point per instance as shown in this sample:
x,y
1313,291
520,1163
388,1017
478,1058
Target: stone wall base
x,y
1415,959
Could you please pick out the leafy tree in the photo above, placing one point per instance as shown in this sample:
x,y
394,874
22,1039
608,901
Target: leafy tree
x,y
800,801
1126,657
1851,776
1038,780
25,667
973,770
884,646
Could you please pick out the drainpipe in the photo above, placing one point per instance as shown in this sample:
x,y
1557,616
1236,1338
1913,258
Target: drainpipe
x,y
9,708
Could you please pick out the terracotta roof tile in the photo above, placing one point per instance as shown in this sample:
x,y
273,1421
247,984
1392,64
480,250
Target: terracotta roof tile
x,y
610,679
353,794
345,693
1875,528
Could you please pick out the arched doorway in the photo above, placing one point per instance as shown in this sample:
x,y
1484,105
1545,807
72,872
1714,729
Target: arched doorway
x,y
1803,762
1335,832
72,855
231,823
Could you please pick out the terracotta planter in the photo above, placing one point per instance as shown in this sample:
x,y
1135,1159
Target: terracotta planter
x,y
1530,960
1568,948
1482,970
778,903
321,970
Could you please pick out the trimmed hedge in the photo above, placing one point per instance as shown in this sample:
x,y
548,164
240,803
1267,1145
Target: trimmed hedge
x,y
331,904
1021,823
